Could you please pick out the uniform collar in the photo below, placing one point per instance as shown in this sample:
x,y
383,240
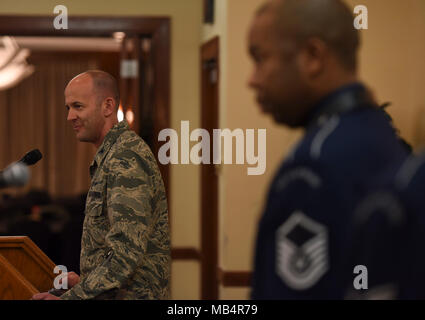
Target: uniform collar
x,y
343,99
109,140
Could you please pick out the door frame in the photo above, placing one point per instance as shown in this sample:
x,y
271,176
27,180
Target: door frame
x,y
209,175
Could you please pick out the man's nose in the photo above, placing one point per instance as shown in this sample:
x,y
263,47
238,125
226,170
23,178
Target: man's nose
x,y
252,80
71,115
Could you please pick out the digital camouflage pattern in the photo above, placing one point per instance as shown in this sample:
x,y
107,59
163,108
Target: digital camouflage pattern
x,y
125,246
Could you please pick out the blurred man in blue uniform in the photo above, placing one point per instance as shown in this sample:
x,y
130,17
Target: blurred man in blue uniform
x,y
304,54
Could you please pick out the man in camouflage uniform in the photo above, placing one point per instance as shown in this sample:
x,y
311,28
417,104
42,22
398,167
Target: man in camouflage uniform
x,y
125,243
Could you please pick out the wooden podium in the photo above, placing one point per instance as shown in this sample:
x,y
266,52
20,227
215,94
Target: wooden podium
x,y
24,269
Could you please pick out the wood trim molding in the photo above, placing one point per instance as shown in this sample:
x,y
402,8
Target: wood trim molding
x,y
185,253
101,26
235,278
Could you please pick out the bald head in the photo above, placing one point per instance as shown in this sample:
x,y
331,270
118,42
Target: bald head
x,y
328,20
103,85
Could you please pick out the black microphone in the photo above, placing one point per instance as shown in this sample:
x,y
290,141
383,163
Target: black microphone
x,y
31,157
15,175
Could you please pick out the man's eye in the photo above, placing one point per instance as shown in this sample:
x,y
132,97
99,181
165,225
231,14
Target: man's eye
x,y
258,59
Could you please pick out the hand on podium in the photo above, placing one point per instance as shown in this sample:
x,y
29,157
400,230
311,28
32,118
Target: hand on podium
x,y
54,294
73,279
44,296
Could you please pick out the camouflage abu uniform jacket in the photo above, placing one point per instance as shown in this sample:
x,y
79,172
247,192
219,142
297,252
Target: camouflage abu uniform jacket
x,y
125,246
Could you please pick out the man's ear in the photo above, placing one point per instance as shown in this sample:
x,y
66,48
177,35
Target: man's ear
x,y
108,107
312,56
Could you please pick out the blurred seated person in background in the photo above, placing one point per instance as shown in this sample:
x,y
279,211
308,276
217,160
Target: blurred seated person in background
x,y
54,225
72,232
30,223
56,218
